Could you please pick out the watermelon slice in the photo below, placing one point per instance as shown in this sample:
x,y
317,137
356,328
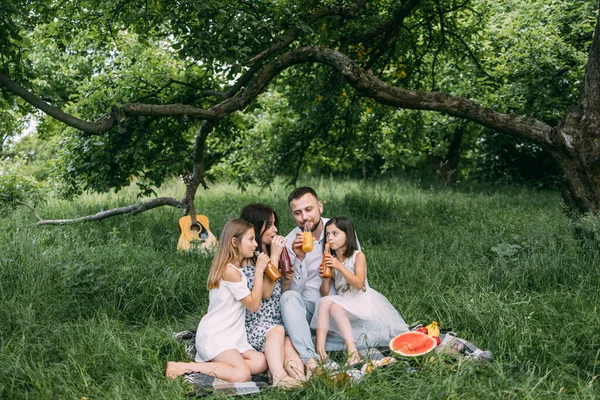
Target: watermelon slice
x,y
412,344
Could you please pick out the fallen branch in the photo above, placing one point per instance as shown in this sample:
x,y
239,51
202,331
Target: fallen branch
x,y
131,209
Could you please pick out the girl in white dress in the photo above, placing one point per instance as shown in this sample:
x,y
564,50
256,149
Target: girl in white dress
x,y
222,348
358,311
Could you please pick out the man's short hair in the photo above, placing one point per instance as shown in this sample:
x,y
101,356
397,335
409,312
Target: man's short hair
x,y
301,191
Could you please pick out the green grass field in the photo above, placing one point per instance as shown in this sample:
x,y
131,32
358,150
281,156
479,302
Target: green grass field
x,y
87,310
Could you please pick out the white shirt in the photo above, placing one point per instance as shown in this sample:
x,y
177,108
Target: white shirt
x,y
307,280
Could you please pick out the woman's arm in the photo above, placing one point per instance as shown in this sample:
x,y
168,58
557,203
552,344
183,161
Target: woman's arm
x,y
277,246
357,280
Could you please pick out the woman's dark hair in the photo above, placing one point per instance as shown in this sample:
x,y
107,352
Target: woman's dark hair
x,y
257,214
344,225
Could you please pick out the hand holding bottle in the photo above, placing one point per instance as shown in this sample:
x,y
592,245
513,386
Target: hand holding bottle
x,y
270,270
277,245
307,240
329,261
326,271
297,246
262,260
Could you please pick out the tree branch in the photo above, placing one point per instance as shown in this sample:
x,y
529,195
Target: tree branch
x,y
103,125
131,209
199,153
292,33
365,83
472,56
368,85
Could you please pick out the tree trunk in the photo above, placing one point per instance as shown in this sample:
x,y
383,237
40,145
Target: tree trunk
x,y
446,168
579,160
579,135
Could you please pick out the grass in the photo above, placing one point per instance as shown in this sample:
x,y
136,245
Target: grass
x,y
87,310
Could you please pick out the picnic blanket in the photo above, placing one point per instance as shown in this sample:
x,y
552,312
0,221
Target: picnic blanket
x,y
205,385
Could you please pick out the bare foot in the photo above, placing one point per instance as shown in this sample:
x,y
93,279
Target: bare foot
x,y
297,374
287,383
176,369
354,358
311,365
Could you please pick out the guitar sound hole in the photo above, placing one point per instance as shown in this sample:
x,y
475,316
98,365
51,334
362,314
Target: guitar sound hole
x,y
195,228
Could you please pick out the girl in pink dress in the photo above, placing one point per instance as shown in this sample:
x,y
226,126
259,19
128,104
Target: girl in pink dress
x,y
357,312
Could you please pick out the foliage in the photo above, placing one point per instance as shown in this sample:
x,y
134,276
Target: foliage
x,y
538,50
16,186
38,156
482,52
150,149
509,160
90,59
88,310
10,126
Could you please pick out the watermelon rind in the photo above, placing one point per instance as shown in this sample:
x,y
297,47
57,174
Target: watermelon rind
x,y
412,344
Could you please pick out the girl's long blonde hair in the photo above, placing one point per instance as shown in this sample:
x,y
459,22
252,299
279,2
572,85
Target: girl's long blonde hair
x,y
226,252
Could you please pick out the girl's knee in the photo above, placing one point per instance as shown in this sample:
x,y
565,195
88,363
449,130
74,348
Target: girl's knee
x,y
241,374
325,303
256,361
337,309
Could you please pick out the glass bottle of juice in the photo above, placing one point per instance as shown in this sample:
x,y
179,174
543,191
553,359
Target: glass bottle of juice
x,y
271,270
307,242
285,264
327,272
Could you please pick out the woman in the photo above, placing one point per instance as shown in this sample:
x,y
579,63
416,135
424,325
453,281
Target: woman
x,y
265,327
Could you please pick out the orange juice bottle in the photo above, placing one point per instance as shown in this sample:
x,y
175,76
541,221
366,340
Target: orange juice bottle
x,y
327,272
307,242
272,272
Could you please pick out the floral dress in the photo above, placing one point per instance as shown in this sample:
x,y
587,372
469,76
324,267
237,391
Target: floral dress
x,y
268,315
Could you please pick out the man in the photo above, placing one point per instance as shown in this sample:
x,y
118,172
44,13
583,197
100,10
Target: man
x,y
298,304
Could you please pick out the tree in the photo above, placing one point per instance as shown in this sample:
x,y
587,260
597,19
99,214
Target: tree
x,y
152,70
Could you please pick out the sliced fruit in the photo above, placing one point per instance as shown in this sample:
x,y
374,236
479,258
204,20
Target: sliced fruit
x,y
412,344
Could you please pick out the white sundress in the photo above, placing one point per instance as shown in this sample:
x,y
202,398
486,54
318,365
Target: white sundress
x,y
223,328
373,318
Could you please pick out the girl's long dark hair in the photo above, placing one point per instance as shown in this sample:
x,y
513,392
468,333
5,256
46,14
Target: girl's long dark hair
x,y
344,225
257,214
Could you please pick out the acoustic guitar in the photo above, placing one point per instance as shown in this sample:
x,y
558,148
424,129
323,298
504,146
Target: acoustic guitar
x,y
194,228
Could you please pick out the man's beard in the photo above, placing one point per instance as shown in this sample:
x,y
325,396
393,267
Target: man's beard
x,y
315,226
